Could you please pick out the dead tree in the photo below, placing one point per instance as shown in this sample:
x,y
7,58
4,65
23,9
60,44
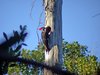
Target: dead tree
x,y
53,14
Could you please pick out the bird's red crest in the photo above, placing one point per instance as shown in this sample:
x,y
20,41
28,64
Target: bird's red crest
x,y
41,28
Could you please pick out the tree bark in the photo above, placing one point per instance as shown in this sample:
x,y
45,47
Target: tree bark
x,y
53,14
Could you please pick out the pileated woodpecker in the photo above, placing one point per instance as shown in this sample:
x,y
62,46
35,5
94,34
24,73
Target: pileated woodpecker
x,y
45,36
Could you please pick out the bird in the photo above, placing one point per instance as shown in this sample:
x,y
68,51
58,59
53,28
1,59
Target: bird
x,y
45,34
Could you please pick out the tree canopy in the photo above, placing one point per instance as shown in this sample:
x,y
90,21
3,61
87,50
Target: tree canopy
x,y
76,60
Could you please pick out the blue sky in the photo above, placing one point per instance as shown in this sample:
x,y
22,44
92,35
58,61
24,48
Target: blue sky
x,y
81,21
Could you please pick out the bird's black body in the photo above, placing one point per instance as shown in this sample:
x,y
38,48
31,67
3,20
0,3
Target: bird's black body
x,y
45,37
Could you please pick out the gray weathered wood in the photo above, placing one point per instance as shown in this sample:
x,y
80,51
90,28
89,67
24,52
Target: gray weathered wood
x,y
53,13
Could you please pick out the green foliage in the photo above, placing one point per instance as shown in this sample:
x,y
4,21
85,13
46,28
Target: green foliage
x,y
14,70
25,69
11,47
36,55
77,60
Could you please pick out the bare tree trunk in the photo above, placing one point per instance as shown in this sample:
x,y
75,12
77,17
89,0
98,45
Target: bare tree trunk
x,y
53,14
